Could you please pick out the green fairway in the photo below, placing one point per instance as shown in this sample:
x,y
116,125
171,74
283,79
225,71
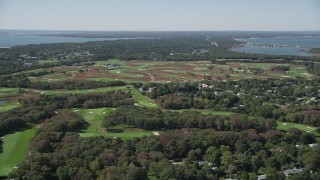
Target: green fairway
x,y
303,127
141,99
5,92
109,61
83,91
47,61
15,148
207,112
8,105
95,116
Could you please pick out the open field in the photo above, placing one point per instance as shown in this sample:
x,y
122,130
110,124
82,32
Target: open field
x,y
168,71
95,116
8,92
207,112
8,105
15,148
303,127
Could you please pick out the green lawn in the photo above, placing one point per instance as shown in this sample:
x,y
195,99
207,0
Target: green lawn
x,y
207,112
47,61
303,127
4,92
141,99
8,105
15,148
84,91
95,116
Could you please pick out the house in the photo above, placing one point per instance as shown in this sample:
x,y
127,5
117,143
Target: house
x,y
262,177
290,172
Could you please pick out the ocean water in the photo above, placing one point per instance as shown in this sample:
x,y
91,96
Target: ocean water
x,y
9,38
289,45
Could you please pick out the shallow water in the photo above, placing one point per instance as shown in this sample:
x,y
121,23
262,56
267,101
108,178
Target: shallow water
x,y
289,45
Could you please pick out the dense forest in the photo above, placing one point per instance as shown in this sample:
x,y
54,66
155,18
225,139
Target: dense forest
x,y
57,152
286,100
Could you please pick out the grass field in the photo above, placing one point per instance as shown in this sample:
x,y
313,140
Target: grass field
x,y
141,99
303,127
6,92
95,116
208,112
15,148
168,71
8,105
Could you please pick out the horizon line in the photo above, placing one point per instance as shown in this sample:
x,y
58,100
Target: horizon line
x,y
160,30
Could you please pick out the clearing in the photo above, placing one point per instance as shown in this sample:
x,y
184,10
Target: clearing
x,y
95,116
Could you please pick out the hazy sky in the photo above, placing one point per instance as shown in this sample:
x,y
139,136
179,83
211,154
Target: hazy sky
x,y
160,14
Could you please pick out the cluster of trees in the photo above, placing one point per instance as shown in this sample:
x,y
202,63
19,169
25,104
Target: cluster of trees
x,y
314,68
57,152
71,85
286,100
37,110
23,117
281,68
21,80
154,119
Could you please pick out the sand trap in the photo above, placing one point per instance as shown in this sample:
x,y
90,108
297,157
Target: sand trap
x,y
156,133
284,124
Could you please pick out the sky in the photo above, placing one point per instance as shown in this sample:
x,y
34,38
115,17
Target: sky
x,y
161,15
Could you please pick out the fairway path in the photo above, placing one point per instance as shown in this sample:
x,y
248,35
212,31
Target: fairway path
x,y
151,77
